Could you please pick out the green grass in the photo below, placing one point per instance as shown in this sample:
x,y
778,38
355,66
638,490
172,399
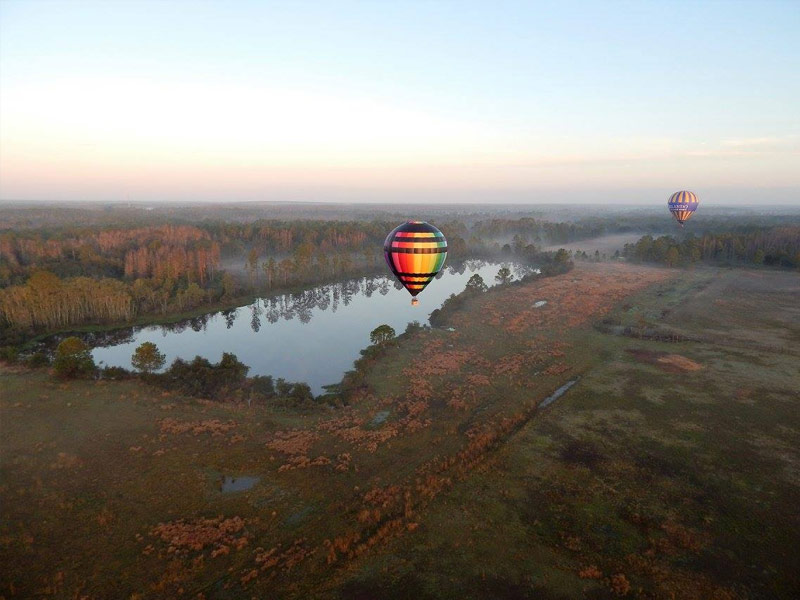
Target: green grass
x,y
686,483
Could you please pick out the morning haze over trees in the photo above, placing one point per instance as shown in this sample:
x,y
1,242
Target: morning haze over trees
x,y
57,277
572,374
506,402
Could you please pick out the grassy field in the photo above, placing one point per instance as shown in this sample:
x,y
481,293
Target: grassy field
x,y
668,470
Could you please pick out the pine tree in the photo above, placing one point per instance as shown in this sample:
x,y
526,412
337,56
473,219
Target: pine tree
x,y
146,358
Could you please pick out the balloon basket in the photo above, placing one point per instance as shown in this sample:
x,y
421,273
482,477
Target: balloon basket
x,y
414,302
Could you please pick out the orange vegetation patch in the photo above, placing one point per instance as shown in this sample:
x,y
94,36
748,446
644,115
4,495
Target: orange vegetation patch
x,y
680,362
556,369
296,444
274,559
371,439
619,584
434,360
590,572
212,426
572,299
218,533
671,363
297,441
66,461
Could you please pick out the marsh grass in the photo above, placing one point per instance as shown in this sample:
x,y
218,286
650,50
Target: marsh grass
x,y
674,483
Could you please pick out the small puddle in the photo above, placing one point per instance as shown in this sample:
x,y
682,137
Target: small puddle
x,y
379,418
539,304
237,484
296,518
557,394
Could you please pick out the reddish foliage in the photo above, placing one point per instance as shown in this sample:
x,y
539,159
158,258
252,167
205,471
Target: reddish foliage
x,y
556,369
303,462
590,572
212,426
620,585
293,442
270,560
66,461
184,536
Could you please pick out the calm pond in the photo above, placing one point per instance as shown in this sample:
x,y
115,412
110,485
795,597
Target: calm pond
x,y
312,336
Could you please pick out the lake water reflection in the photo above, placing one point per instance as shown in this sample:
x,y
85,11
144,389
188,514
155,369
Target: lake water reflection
x,y
312,336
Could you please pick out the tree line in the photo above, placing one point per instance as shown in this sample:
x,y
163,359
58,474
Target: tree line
x,y
167,250
776,247
52,278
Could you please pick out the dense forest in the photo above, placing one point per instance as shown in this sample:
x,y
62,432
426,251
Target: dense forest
x,y
112,266
62,277
776,247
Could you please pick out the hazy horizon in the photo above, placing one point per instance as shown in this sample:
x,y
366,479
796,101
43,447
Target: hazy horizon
x,y
400,103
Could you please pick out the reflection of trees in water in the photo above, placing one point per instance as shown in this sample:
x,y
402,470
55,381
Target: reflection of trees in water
x,y
521,270
351,288
273,312
369,288
302,304
93,339
229,316
255,319
475,264
177,327
324,298
286,306
456,268
199,323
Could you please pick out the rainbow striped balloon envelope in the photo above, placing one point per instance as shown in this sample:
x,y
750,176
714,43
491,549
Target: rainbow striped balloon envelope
x,y
682,205
415,252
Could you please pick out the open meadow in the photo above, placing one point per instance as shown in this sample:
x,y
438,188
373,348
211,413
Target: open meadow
x,y
669,468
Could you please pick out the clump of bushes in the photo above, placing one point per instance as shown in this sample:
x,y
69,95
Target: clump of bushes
x,y
201,378
227,380
73,359
115,373
9,355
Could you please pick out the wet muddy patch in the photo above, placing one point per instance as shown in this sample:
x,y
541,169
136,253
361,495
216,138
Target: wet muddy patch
x,y
242,483
557,394
379,418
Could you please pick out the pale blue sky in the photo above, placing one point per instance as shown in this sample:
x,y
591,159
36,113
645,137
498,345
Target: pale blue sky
x,y
420,101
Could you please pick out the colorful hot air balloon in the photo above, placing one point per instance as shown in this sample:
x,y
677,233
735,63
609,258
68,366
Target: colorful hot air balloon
x,y
415,252
682,205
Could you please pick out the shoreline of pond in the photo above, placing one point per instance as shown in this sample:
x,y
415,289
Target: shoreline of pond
x,y
313,335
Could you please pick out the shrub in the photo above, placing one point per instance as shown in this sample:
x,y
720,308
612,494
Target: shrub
x,y
262,385
37,360
202,379
9,354
413,327
381,334
146,358
115,373
73,358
